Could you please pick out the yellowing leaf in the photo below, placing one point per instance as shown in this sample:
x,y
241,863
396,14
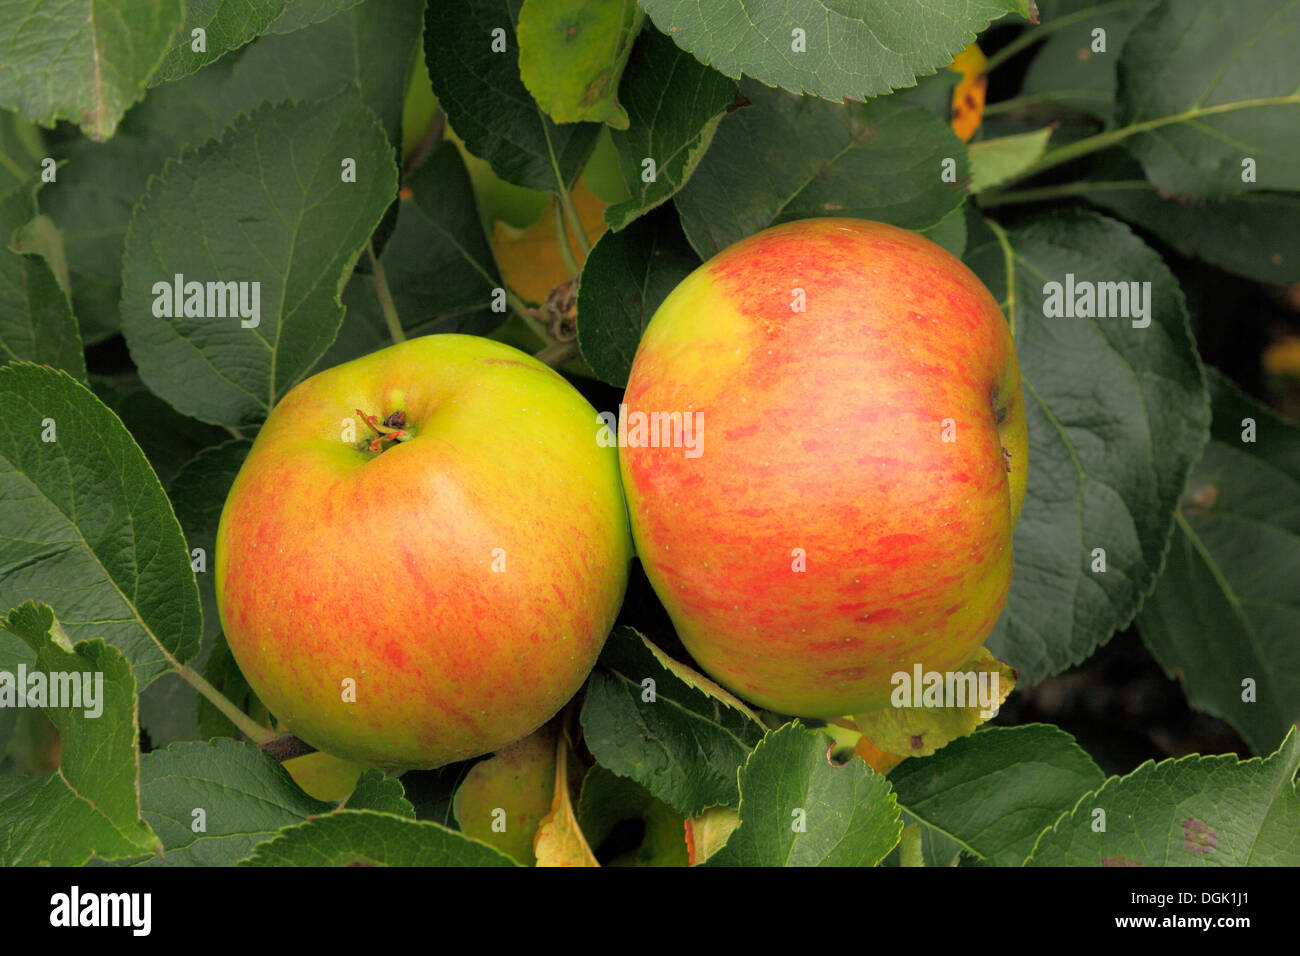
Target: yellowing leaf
x,y
529,258
918,731
968,97
875,758
559,840
503,799
693,678
708,833
572,53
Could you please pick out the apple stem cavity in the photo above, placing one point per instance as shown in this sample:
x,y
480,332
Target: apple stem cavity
x,y
392,429
284,747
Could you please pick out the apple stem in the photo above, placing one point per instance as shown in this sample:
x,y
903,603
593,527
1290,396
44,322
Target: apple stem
x,y
385,432
246,725
557,353
562,240
385,297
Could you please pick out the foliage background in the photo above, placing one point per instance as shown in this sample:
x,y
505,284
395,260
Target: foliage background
x,y
1123,164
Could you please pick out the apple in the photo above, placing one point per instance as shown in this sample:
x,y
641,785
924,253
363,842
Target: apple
x,y
438,585
849,507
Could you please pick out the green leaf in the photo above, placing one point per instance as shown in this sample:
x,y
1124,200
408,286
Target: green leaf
x,y
950,231
1117,415
266,204
300,14
198,493
93,198
85,61
99,183
799,809
994,792
1197,811
852,49
223,673
433,792
626,277
571,55
366,838
13,653
486,101
36,320
438,266
169,708
1212,84
87,526
609,800
378,791
167,438
994,161
21,151
789,158
682,744
674,104
1065,70
368,48
212,803
227,25
1252,235
90,805
1226,608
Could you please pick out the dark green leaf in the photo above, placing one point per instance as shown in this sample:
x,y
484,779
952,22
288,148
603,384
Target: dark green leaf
x,y
997,790
226,24
36,320
266,204
486,102
1117,415
1197,811
788,158
1226,609
438,266
674,104
851,50
1252,235
90,805
378,791
1213,84
799,809
366,838
680,743
87,526
212,803
1065,70
85,60
625,279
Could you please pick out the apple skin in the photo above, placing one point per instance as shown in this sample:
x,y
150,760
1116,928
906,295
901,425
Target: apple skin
x,y
822,431
334,562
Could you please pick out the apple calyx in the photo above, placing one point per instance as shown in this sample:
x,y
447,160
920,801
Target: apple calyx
x,y
391,429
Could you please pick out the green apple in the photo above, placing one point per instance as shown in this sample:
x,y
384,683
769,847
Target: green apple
x,y
427,596
849,510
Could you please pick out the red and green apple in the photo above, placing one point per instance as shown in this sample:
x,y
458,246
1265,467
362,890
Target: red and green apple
x,y
849,510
